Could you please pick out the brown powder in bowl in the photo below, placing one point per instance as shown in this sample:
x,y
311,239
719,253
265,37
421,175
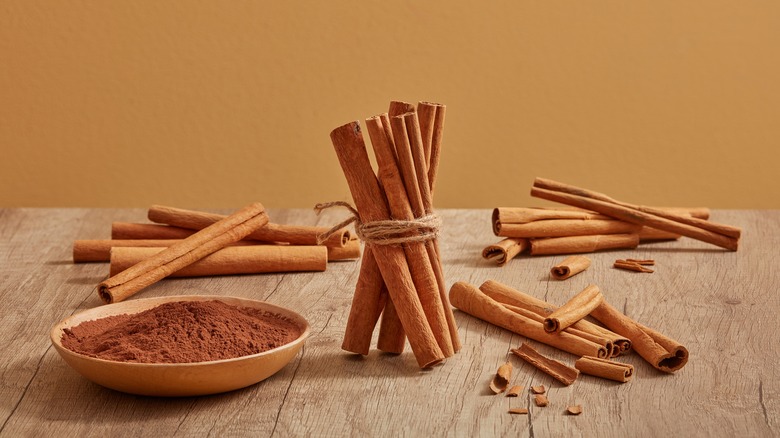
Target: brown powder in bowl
x,y
181,332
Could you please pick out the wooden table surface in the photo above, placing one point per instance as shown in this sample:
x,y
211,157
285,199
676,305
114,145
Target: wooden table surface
x,y
723,306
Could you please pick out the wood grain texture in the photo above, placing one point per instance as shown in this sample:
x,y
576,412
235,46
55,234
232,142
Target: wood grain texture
x,y
722,305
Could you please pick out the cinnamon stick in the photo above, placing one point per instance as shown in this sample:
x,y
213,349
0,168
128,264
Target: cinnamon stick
x,y
433,152
666,355
350,251
208,240
717,234
567,227
577,308
100,250
524,215
232,260
129,230
513,297
367,304
505,250
570,267
351,151
606,369
553,368
583,244
294,234
471,300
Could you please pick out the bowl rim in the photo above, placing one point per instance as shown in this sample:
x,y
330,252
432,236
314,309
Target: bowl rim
x,y
56,332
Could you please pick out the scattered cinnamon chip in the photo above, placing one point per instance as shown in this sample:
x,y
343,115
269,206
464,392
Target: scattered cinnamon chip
x,y
541,400
648,262
631,266
574,410
501,381
514,391
518,411
538,389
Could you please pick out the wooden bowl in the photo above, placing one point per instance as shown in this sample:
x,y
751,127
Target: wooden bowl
x,y
179,379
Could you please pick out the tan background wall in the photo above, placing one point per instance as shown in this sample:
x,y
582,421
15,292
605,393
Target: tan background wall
x,y
216,104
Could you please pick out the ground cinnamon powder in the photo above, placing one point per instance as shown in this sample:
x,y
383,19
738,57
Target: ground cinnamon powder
x,y
181,332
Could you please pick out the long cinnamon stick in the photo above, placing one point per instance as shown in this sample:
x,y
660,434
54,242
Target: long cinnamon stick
x,y
667,355
583,244
129,230
367,304
505,250
567,227
295,234
578,307
351,151
717,234
208,240
254,259
513,297
553,368
472,301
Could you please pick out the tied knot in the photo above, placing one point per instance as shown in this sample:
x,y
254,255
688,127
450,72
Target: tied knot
x,y
383,232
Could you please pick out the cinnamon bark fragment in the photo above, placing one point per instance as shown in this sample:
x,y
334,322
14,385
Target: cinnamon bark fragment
x,y
574,410
538,389
519,411
553,368
570,267
514,391
631,266
541,400
501,379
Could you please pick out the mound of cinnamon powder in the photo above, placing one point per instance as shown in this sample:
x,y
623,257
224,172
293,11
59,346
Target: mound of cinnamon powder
x,y
181,332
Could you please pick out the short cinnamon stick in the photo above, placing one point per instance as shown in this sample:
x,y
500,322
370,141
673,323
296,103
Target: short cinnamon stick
x,y
553,368
208,240
578,307
232,260
505,250
606,369
471,300
570,267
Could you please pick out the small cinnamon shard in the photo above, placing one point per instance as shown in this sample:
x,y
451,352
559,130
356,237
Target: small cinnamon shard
x,y
538,389
647,262
631,266
514,391
570,267
523,411
574,410
553,368
501,380
541,400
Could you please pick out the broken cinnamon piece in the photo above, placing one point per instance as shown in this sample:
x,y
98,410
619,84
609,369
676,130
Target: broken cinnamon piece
x,y
570,267
553,368
514,391
538,389
501,380
607,369
541,400
631,266
574,410
644,262
518,411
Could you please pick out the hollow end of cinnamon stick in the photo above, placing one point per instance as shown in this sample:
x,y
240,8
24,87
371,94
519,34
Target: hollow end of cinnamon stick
x,y
551,325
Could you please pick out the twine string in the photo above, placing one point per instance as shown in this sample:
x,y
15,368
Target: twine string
x,y
383,232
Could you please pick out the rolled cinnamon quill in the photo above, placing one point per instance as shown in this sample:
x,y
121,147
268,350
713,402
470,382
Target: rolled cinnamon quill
x,y
505,250
606,369
294,234
558,371
583,244
254,259
129,230
208,240
567,227
100,250
578,307
367,304
570,267
471,300
665,355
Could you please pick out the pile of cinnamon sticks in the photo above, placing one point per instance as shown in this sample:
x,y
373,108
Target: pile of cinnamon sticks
x,y
263,248
596,222
401,282
567,329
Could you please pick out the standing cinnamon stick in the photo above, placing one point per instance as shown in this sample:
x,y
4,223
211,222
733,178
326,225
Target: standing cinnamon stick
x,y
208,240
369,199
578,307
367,304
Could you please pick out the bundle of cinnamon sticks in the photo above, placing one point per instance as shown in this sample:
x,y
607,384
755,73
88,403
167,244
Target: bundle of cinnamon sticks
x,y
262,248
595,222
401,281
